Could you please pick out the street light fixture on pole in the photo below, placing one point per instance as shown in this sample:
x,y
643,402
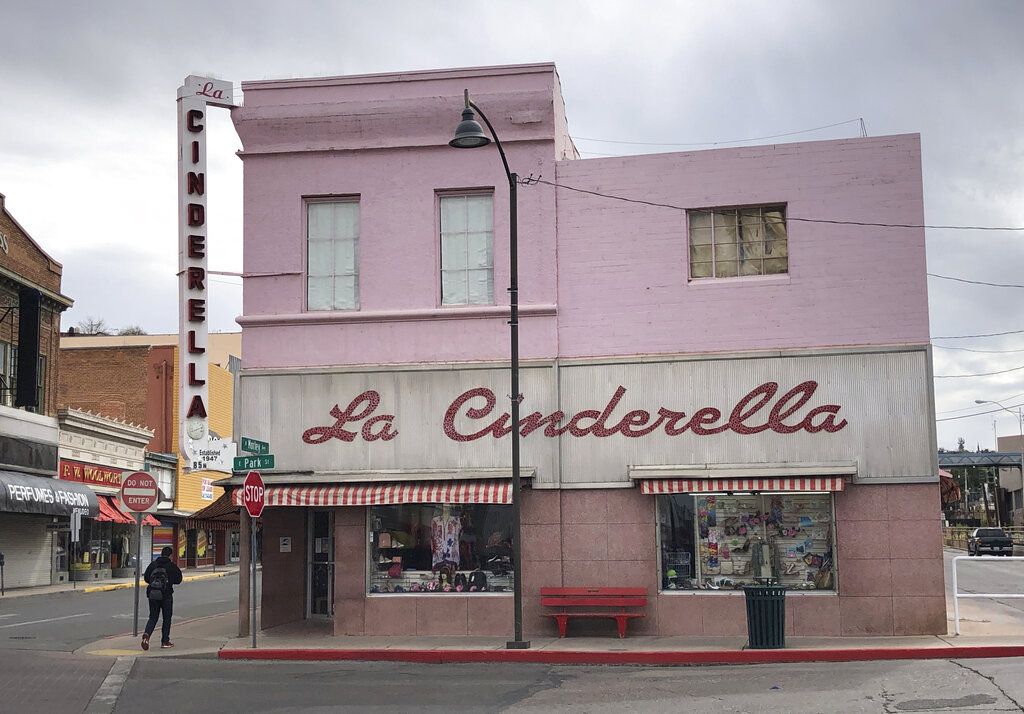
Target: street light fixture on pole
x,y
1020,444
469,135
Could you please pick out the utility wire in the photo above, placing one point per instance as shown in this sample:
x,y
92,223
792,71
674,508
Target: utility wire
x,y
983,374
991,334
719,143
656,204
974,282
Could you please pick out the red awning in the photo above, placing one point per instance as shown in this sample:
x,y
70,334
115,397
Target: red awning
x,y
498,491
110,512
221,515
721,485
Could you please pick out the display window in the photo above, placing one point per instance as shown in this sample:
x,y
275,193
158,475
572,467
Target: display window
x,y
440,548
725,541
92,551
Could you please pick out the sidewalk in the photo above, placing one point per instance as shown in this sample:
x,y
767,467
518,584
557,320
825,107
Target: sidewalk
x,y
985,633
217,636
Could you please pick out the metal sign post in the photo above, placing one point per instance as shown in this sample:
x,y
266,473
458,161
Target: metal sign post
x,y
252,577
138,564
254,500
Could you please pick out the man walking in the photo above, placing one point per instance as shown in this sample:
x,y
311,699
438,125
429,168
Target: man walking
x,y
161,576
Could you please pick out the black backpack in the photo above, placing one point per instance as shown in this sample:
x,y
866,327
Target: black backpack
x,y
158,583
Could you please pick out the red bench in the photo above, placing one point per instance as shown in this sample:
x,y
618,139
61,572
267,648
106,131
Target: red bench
x,y
619,604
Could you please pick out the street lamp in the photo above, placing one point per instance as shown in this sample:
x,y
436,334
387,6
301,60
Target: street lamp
x,y
469,135
1020,444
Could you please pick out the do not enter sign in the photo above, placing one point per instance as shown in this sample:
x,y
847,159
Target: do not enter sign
x,y
139,492
252,494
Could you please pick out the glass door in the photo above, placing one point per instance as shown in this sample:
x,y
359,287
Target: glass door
x,y
320,603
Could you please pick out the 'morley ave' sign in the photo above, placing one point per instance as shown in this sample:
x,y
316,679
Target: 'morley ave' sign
x,y
193,366
472,416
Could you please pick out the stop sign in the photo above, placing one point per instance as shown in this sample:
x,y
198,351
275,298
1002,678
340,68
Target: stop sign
x,y
139,492
252,494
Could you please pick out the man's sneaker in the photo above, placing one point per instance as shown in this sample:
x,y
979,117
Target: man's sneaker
x,y
165,645
145,641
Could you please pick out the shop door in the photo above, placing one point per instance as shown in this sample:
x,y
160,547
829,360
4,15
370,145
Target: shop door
x,y
320,546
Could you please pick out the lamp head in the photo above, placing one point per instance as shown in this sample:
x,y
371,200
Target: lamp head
x,y
981,401
469,134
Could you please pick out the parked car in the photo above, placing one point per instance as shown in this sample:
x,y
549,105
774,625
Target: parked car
x,y
989,540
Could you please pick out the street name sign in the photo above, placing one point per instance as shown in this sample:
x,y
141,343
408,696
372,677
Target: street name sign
x,y
139,492
247,463
255,447
253,494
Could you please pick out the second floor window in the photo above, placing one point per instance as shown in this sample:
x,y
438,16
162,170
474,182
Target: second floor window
x,y
732,242
467,250
332,258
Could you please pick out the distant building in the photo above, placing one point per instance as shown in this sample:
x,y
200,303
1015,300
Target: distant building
x,y
134,378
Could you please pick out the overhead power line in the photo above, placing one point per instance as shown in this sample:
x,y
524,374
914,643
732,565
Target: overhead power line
x,y
733,141
531,180
975,282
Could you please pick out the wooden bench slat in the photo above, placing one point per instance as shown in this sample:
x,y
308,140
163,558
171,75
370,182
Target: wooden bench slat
x,y
593,591
593,602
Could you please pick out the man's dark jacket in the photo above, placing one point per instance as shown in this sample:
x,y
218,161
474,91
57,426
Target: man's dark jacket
x,y
173,572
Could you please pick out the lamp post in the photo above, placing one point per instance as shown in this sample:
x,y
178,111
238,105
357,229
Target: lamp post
x,y
469,135
1020,443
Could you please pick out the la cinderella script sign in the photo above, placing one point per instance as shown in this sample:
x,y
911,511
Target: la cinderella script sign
x,y
471,416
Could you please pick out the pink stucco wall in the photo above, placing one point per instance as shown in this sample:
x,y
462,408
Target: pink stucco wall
x,y
598,276
386,143
622,267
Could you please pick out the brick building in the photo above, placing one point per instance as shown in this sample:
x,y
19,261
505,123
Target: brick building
x,y
36,508
133,378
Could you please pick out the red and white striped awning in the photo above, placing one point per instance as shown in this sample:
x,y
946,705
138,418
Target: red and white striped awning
x,y
498,491
721,485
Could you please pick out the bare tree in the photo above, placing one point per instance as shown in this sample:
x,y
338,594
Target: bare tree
x,y
93,326
131,330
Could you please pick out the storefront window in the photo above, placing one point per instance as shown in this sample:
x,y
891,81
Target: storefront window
x,y
722,542
440,548
92,552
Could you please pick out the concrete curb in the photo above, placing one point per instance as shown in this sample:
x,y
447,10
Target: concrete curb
x,y
131,584
440,656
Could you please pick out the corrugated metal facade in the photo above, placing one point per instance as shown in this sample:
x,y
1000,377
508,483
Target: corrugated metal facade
x,y
876,402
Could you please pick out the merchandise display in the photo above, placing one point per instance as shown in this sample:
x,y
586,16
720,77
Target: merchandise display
x,y
736,540
439,548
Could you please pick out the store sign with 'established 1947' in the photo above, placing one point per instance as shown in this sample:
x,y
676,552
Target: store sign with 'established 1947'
x,y
193,363
471,416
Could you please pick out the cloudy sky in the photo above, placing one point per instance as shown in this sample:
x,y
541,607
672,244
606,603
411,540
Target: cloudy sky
x,y
88,137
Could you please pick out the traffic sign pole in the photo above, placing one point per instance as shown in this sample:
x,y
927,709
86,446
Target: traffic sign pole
x,y
138,564
252,561
254,500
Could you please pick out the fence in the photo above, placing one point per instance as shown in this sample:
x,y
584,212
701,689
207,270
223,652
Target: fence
x,y
957,595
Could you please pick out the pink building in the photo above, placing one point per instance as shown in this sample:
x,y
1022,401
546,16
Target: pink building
x,y
725,367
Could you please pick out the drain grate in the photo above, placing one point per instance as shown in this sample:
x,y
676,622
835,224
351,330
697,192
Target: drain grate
x,y
21,637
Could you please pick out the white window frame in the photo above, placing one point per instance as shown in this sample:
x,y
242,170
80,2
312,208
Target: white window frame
x,y
466,248
740,241
330,286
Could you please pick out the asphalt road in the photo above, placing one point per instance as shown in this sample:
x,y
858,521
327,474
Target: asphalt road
x,y
871,687
65,621
38,673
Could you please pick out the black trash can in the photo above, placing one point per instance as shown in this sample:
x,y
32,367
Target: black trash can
x,y
766,616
